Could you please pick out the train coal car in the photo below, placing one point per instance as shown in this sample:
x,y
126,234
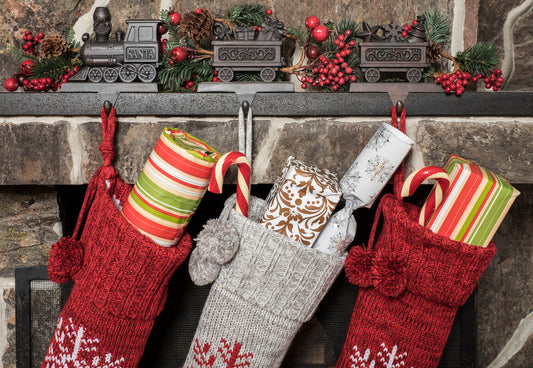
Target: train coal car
x,y
404,57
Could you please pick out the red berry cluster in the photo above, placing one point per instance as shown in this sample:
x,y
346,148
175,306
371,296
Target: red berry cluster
x,y
333,71
216,78
457,81
495,81
408,28
454,82
31,41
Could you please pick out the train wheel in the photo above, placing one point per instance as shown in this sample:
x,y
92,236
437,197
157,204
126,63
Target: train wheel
x,y
127,73
225,74
147,73
372,75
110,75
95,75
414,75
268,74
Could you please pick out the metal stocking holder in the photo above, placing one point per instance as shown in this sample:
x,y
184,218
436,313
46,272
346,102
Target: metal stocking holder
x,y
245,92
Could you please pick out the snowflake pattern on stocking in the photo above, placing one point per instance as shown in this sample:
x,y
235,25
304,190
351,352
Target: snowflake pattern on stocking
x,y
385,358
72,347
228,354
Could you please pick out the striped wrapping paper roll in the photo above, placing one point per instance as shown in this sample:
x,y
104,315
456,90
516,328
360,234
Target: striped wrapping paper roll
x,y
474,205
170,187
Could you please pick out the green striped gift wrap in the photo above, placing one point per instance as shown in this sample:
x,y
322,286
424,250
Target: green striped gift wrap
x,y
170,187
474,205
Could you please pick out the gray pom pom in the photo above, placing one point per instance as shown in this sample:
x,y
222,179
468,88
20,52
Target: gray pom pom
x,y
218,242
202,271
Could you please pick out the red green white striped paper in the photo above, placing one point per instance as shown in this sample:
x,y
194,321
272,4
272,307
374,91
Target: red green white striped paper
x,y
474,205
170,187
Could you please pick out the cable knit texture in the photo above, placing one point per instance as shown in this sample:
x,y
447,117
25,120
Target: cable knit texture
x,y
260,299
120,280
412,282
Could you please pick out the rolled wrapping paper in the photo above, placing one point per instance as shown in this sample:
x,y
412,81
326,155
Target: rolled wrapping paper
x,y
362,184
475,204
301,201
170,187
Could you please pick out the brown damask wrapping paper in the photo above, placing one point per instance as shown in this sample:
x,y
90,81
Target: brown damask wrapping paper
x,y
301,201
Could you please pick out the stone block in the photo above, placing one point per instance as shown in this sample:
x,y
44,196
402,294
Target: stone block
x,y
34,151
8,359
29,219
499,146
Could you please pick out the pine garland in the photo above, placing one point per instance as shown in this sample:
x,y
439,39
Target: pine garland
x,y
299,34
247,14
481,58
173,78
437,26
53,67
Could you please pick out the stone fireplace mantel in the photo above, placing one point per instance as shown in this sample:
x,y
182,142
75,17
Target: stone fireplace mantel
x,y
53,138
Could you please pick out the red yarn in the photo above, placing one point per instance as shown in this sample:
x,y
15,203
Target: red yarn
x,y
420,279
120,276
64,260
389,273
357,266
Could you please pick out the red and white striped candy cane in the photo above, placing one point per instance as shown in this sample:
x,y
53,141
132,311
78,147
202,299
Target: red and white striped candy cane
x,y
416,178
243,178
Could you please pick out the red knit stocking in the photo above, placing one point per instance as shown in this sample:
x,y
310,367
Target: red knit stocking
x,y
411,283
120,277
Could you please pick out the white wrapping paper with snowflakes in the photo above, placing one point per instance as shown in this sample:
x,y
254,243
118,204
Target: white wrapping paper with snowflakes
x,y
301,201
374,166
362,184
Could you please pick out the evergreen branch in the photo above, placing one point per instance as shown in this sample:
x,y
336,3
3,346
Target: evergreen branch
x,y
247,14
300,34
53,67
69,35
346,25
437,26
20,55
481,58
173,77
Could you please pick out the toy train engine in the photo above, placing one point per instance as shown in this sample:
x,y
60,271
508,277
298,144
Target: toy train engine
x,y
127,57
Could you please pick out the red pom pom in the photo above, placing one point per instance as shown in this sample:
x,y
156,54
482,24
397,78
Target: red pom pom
x,y
357,266
64,260
389,273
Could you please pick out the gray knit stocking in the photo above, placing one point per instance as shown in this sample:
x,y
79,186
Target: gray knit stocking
x,y
261,297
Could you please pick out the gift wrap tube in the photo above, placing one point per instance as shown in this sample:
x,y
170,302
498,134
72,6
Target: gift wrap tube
x,y
170,187
474,205
374,166
301,201
362,184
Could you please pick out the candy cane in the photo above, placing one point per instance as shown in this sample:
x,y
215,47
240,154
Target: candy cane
x,y
416,178
243,178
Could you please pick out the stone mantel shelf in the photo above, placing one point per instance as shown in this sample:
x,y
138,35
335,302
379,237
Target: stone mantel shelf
x,y
267,104
53,138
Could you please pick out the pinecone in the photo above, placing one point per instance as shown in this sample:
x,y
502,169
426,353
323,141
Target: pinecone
x,y
434,52
198,25
53,45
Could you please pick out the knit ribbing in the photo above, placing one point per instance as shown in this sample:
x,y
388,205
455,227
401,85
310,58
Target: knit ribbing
x,y
407,324
261,298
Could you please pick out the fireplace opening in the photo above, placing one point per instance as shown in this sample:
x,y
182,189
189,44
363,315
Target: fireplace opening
x,y
317,345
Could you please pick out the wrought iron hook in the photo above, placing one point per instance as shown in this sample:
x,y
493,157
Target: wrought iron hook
x,y
107,106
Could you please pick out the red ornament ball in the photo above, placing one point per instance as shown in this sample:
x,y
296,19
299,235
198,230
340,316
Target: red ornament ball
x,y
312,52
26,66
320,33
179,54
175,18
162,29
198,10
268,12
11,84
311,22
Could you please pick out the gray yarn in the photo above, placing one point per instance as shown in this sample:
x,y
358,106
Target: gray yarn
x,y
261,298
202,271
217,242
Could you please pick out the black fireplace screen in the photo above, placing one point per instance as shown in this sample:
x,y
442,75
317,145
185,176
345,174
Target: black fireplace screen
x,y
317,345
